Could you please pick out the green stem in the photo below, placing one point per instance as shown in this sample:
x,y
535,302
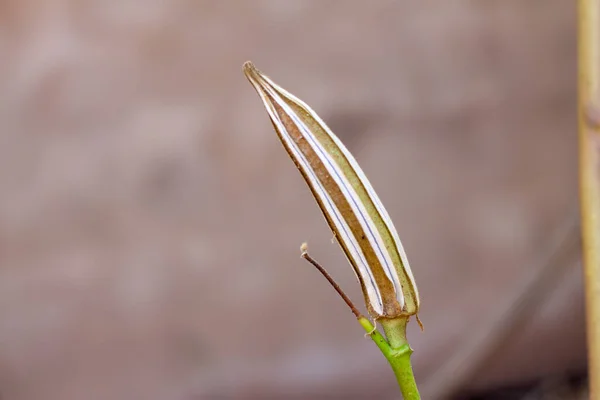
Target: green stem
x,y
397,351
400,361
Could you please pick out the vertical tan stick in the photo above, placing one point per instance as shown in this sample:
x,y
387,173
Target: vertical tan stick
x,y
589,176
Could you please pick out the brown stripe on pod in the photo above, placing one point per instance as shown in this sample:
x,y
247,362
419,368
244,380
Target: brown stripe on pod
x,y
391,307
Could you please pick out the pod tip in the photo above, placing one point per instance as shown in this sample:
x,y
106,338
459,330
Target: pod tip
x,y
248,68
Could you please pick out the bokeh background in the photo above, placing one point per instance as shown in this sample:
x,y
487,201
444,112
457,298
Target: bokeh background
x,y
150,221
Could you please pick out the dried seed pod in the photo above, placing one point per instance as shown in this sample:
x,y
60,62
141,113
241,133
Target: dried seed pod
x,y
351,207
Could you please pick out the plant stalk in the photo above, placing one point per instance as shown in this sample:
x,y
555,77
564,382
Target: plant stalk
x,y
397,351
589,174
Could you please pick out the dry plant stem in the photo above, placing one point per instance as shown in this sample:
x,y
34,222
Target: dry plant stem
x,y
589,175
482,346
332,282
395,349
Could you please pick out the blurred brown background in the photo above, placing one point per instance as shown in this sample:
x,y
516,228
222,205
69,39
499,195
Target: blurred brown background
x,y
150,221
